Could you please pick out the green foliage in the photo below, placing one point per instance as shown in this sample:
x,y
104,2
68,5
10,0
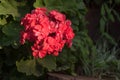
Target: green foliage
x,y
108,14
48,62
12,27
66,62
14,8
28,67
10,34
93,59
3,20
38,3
106,62
9,7
85,51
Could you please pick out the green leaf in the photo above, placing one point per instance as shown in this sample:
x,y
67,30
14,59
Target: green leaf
x,y
14,8
75,20
28,67
6,41
70,3
80,5
116,14
102,10
48,62
102,25
51,3
61,5
109,13
8,7
38,3
109,38
10,35
3,21
12,29
111,17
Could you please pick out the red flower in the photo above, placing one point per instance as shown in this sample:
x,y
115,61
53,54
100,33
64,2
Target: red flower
x,y
57,15
49,31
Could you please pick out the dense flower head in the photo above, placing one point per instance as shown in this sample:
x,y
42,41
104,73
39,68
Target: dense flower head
x,y
49,32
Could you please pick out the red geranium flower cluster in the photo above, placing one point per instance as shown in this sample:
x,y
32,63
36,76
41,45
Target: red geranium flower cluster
x,y
49,31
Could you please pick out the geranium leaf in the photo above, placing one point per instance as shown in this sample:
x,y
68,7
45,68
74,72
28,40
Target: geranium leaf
x,y
48,62
16,9
38,3
8,7
12,29
28,67
6,41
10,34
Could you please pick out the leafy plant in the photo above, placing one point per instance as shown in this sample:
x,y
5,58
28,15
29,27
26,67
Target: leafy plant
x,y
85,57
105,61
108,14
66,60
